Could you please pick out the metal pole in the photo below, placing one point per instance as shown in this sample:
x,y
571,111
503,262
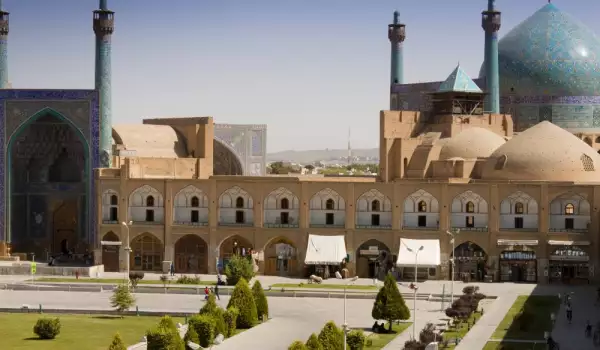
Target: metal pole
x,y
415,298
345,324
452,272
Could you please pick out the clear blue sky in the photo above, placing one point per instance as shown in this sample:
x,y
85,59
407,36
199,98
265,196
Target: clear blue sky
x,y
308,69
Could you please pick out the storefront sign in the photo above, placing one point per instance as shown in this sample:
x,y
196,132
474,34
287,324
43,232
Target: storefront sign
x,y
521,242
569,243
569,257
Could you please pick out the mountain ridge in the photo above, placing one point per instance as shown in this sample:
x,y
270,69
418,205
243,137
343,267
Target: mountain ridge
x,y
309,156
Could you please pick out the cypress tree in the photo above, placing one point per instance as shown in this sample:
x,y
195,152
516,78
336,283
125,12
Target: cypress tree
x,y
389,304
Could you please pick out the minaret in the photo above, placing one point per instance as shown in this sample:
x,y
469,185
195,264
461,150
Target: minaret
x,y
349,149
3,47
490,22
104,25
397,34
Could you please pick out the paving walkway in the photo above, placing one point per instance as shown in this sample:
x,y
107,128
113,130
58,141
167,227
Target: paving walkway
x,y
484,328
572,336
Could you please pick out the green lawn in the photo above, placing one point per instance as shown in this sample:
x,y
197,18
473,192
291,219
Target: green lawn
x,y
541,306
460,330
82,332
322,286
115,281
514,346
379,341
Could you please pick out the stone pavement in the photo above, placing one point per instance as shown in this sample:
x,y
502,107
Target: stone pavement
x,y
572,336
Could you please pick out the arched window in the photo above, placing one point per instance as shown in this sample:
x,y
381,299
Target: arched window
x,y
330,204
285,203
375,205
569,209
150,201
239,202
470,207
519,208
114,200
195,202
422,207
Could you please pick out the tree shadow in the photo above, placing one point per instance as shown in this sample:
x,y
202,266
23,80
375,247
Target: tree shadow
x,y
35,338
108,317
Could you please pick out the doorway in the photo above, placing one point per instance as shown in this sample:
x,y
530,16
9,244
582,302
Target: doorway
x,y
110,253
65,228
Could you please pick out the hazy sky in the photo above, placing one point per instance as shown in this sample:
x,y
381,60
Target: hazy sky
x,y
309,69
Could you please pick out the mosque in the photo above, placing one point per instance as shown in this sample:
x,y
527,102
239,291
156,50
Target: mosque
x,y
463,188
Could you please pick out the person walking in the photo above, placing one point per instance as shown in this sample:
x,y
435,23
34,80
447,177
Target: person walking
x,y
217,291
569,313
172,269
206,292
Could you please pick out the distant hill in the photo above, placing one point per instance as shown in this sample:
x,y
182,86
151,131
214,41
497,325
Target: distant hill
x,y
319,155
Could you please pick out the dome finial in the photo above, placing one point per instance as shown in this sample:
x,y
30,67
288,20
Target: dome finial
x,y
103,5
396,17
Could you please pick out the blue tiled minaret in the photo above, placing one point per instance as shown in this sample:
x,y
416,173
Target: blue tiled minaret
x,y
397,34
104,25
3,47
490,22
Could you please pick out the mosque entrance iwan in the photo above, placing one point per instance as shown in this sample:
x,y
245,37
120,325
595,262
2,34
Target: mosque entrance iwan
x,y
47,158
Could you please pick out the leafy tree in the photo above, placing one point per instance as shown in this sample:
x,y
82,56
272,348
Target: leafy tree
x,y
297,345
237,268
313,343
356,339
117,343
47,328
191,336
331,337
262,304
389,303
135,277
122,299
309,167
243,300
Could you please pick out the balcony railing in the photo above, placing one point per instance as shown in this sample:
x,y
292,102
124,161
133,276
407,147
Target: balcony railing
x,y
569,230
236,224
422,228
275,225
374,227
534,229
110,222
477,229
148,223
189,223
327,226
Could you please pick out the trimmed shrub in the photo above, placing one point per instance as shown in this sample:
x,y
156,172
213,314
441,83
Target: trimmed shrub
x,y
122,299
297,345
213,310
413,345
331,337
356,339
188,280
160,338
389,304
313,343
210,306
205,326
167,323
230,316
428,334
237,268
47,328
117,343
262,305
243,300
135,277
192,336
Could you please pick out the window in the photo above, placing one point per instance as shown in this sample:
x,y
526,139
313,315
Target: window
x,y
470,207
422,221
239,217
149,215
422,207
195,202
285,218
239,202
519,208
114,200
330,204
587,162
569,209
195,216
569,223
149,201
470,221
375,205
375,220
329,219
285,203
114,214
518,222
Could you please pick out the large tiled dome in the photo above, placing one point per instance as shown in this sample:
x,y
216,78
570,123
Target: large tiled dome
x,y
549,54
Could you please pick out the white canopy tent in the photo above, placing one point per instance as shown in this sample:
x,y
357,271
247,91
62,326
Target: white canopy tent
x,y
428,257
325,250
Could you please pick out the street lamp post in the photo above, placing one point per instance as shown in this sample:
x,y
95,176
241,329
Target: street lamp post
x,y
127,250
416,253
345,325
452,240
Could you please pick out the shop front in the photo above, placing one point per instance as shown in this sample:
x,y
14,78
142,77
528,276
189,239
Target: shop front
x,y
373,260
470,263
569,262
325,255
518,261
422,255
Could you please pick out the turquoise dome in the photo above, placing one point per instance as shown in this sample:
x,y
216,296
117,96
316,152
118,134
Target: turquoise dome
x,y
549,54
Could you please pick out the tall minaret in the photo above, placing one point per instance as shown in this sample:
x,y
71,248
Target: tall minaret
x,y
349,149
490,22
3,47
397,34
104,25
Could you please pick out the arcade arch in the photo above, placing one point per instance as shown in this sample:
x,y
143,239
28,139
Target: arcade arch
x,y
281,257
147,253
469,212
191,255
470,262
373,259
233,245
110,253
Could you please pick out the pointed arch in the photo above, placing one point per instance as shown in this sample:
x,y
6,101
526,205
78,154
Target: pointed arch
x,y
319,200
570,212
411,203
327,209
236,207
190,207
146,204
110,207
185,197
229,198
138,197
469,212
461,202
519,211
281,208
274,199
365,203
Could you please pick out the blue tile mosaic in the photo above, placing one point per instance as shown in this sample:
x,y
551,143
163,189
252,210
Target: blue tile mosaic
x,y
49,95
459,81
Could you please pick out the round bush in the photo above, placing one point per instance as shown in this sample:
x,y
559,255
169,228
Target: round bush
x,y
243,300
331,337
262,305
313,343
161,338
191,336
47,328
297,345
356,339
205,326
237,268
230,316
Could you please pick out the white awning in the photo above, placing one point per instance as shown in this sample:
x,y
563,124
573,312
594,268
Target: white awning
x,y
429,256
568,242
111,243
325,250
508,242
